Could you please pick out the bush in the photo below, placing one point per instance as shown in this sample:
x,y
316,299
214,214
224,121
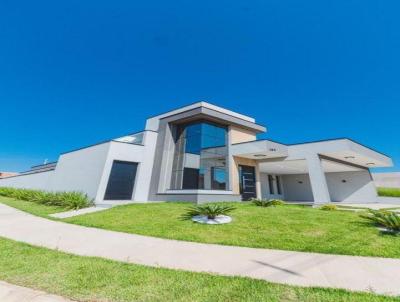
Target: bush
x,y
268,203
387,219
329,207
209,210
389,192
68,200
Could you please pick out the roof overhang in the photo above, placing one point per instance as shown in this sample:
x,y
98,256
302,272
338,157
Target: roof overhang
x,y
343,150
205,111
259,150
287,167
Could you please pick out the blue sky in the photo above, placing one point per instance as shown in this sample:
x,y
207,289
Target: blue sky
x,y
73,73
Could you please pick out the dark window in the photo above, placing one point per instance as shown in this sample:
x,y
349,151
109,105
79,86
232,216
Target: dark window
x,y
200,157
190,178
121,181
271,184
278,185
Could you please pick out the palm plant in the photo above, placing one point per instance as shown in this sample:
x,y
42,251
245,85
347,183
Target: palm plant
x,y
329,207
209,210
387,219
268,203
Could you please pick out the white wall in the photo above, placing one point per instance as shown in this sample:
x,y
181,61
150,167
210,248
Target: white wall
x,y
81,170
88,170
297,187
37,181
358,186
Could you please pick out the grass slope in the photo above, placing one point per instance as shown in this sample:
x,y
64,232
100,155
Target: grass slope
x,y
95,279
283,227
31,207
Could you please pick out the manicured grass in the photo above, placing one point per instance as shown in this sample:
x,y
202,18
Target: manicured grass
x,y
95,279
31,207
288,227
389,192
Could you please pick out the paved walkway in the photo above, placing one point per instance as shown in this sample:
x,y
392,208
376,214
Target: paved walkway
x,y
305,269
15,293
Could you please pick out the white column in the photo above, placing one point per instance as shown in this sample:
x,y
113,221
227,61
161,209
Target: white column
x,y
317,179
258,181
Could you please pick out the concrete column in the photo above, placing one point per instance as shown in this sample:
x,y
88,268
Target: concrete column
x,y
318,180
230,162
258,182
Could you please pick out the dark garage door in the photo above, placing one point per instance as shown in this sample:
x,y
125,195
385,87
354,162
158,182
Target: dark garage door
x,y
121,181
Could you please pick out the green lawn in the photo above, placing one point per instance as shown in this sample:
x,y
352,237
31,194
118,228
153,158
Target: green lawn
x,y
389,192
31,207
283,227
95,279
288,227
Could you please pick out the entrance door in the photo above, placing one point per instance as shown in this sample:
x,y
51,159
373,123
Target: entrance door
x,y
247,179
121,181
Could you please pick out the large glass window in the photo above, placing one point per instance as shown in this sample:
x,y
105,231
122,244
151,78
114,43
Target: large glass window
x,y
278,184
200,157
271,184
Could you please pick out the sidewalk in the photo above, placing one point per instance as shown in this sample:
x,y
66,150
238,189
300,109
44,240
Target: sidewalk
x,y
15,293
379,275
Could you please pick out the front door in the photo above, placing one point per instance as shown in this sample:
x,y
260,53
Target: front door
x,y
247,179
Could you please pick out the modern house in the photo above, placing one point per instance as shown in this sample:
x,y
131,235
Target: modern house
x,y
204,153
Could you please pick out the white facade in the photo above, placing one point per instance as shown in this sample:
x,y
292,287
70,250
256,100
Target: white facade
x,y
320,172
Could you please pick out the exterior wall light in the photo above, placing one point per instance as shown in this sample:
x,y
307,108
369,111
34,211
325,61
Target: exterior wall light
x,y
370,164
349,157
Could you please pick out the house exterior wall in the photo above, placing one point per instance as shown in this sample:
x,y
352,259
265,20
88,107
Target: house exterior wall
x,y
240,135
37,181
356,186
297,187
81,170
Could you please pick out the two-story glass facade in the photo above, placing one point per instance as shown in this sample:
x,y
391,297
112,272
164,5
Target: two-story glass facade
x,y
200,158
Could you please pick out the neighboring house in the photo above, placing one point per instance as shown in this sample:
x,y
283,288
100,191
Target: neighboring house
x,y
203,153
387,180
7,174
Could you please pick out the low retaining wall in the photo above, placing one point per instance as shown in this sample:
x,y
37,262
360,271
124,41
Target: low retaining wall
x,y
35,180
